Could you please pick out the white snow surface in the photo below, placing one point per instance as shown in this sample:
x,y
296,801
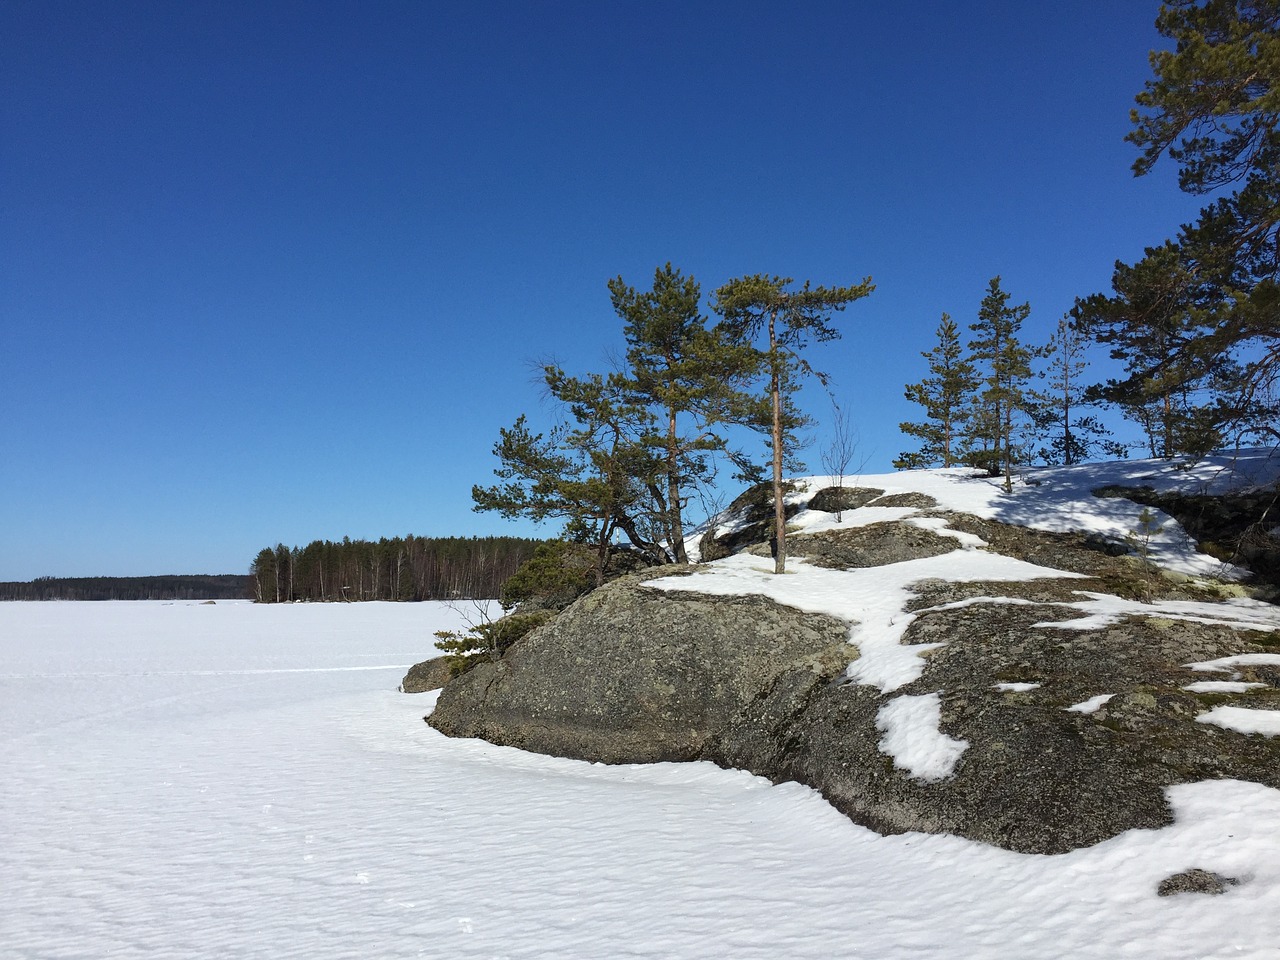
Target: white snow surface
x,y
1092,705
1222,686
910,724
185,780
1226,664
1244,720
1060,499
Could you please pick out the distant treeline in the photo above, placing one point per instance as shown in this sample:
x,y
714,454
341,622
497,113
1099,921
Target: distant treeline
x,y
223,587
408,568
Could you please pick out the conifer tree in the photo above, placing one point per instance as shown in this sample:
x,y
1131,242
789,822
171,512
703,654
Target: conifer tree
x,y
1003,401
1071,435
946,395
592,472
1213,107
691,378
263,571
1152,324
762,306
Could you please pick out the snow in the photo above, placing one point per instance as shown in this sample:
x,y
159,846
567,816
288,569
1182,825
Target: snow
x,y
1055,499
182,780
910,725
1244,720
1060,499
1017,687
1240,660
1104,609
873,599
1222,686
1092,705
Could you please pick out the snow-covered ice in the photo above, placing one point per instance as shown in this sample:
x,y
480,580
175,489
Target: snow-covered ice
x,y
184,780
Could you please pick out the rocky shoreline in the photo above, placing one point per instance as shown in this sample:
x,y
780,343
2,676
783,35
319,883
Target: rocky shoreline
x,y
1049,712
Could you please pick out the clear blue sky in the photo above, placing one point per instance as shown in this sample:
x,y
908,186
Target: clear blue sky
x,y
277,271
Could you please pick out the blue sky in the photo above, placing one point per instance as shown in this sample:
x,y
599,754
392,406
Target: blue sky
x,y
279,271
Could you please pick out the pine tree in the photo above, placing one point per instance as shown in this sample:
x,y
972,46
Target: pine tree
x,y
1071,435
1152,323
595,472
1004,401
1213,107
788,320
691,378
946,395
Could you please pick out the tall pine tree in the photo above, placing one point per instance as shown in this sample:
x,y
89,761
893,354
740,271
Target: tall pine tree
x,y
1152,323
693,380
1213,107
761,306
1003,402
946,395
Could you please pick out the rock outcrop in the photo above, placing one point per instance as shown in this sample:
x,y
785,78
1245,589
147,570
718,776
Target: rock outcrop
x,y
426,676
631,674
1063,737
1196,881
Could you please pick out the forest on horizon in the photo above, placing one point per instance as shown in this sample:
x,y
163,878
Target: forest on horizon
x,y
229,586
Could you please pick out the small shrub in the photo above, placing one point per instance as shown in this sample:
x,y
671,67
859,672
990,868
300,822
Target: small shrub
x,y
486,641
556,575
1139,539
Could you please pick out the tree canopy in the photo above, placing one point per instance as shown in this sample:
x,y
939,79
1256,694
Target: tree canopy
x,y
788,320
1211,294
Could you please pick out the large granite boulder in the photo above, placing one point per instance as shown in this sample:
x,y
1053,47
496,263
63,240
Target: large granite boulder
x,y
631,674
1063,736
746,521
426,676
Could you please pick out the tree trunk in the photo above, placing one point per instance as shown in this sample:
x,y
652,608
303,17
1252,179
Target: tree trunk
x,y
779,508
1007,430
675,524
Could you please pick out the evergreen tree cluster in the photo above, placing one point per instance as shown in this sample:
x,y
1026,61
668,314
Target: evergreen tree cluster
x,y
1195,323
401,568
168,587
636,446
981,407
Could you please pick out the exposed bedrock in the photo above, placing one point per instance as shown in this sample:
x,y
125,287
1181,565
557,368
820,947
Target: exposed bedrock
x,y
631,673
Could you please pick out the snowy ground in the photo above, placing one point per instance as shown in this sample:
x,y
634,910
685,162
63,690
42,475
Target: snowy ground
x,y
183,780
875,601
1058,499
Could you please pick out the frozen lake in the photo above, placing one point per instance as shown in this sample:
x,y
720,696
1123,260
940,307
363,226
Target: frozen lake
x,y
230,780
